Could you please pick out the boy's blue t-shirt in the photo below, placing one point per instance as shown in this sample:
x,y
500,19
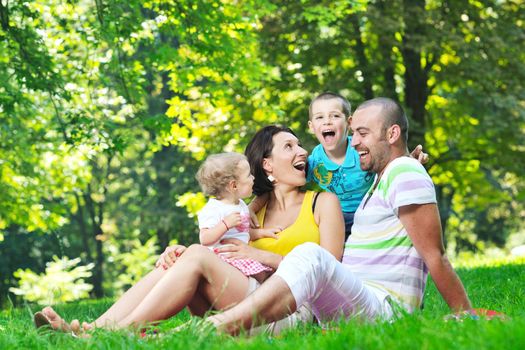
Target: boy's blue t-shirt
x,y
347,180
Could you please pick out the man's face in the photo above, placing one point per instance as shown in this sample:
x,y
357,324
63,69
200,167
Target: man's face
x,y
369,139
329,124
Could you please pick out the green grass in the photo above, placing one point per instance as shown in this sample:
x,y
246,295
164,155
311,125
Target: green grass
x,y
492,284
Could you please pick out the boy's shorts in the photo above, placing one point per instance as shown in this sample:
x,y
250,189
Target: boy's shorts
x,y
349,221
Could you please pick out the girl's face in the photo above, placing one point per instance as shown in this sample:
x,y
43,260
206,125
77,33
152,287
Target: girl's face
x,y
244,180
287,163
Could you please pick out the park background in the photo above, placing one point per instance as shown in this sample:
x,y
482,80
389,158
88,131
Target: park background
x,y
107,108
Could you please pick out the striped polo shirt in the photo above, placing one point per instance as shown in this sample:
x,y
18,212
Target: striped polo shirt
x,y
379,251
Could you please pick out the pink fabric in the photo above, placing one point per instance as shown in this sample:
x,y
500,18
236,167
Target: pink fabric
x,y
248,267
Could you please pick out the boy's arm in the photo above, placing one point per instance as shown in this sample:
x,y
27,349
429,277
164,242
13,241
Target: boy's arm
x,y
209,236
424,228
418,154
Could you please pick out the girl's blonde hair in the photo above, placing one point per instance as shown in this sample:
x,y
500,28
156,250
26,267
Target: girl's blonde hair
x,y
217,171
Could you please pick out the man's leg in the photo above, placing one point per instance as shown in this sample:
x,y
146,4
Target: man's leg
x,y
272,301
308,274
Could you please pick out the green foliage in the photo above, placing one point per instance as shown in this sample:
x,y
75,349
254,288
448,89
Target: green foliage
x,y
130,266
63,281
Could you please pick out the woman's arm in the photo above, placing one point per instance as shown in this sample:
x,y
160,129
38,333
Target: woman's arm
x,y
329,217
236,249
257,204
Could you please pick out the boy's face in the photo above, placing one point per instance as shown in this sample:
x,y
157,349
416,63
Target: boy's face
x,y
329,124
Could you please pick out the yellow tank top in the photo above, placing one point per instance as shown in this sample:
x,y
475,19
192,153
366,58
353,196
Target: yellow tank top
x,y
304,229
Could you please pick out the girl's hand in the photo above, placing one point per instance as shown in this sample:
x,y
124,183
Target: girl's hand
x,y
232,220
258,233
170,256
236,249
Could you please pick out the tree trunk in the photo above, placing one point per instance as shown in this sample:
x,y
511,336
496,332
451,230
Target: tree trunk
x,y
80,219
362,59
416,78
444,198
162,162
386,38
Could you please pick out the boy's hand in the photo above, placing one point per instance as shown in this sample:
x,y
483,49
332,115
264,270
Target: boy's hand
x,y
233,219
418,154
258,233
254,222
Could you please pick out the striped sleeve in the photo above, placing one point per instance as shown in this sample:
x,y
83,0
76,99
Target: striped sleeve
x,y
409,183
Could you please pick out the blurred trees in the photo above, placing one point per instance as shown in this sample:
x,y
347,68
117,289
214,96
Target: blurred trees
x,y
107,108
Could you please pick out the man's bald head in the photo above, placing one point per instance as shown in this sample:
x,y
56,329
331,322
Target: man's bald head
x,y
391,112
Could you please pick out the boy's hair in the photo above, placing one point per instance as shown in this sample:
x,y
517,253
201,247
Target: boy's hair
x,y
392,113
260,147
345,105
217,171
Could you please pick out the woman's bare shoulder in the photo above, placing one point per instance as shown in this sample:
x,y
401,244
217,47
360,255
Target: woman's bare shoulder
x,y
327,201
327,197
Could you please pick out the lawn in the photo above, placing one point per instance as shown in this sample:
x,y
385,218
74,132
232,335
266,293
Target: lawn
x,y
492,284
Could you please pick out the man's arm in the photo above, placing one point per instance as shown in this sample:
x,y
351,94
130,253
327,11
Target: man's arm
x,y
424,228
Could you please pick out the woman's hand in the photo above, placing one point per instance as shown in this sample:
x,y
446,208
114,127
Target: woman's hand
x,y
170,255
258,233
236,249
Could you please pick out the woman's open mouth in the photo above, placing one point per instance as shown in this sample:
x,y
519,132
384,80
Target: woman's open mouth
x,y
301,165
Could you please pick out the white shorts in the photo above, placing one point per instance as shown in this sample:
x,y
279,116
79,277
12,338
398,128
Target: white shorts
x,y
315,277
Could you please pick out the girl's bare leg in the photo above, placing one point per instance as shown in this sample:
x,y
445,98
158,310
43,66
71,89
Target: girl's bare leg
x,y
222,285
130,299
198,279
118,311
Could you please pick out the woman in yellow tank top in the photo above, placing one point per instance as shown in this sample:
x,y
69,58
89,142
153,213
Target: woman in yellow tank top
x,y
304,229
203,280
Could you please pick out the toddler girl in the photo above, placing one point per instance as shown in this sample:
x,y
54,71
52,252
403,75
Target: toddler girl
x,y
227,177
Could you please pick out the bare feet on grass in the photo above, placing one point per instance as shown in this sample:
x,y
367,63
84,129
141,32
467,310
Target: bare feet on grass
x,y
50,318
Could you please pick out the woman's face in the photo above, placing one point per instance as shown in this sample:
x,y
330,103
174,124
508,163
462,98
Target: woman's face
x,y
287,163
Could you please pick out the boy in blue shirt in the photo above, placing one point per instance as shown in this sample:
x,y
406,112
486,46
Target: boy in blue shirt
x,y
334,163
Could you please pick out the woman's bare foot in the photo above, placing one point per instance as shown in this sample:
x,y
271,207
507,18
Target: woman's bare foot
x,y
49,317
87,326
